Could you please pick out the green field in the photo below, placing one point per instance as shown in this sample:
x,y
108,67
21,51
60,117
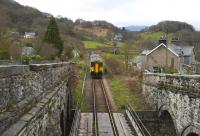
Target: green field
x,y
155,35
152,35
113,56
92,44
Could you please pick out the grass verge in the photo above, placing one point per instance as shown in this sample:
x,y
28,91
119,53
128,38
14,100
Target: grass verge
x,y
127,90
79,96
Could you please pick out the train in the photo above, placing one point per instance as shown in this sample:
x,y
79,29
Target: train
x,y
96,66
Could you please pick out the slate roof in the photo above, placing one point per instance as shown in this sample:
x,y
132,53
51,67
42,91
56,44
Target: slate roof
x,y
176,49
186,50
166,46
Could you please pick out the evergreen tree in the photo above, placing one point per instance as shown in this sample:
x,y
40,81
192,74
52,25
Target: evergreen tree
x,y
52,35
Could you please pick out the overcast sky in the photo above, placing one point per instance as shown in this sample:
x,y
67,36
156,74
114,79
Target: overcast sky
x,y
122,12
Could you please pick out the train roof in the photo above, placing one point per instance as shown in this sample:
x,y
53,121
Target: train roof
x,y
95,57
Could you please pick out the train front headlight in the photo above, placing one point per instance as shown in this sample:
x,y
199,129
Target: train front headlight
x,y
91,69
101,69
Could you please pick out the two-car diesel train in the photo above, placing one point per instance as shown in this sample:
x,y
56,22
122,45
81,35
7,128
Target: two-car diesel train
x,y
96,66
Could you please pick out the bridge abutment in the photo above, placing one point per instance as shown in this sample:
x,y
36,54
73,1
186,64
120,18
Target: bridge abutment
x,y
178,95
35,99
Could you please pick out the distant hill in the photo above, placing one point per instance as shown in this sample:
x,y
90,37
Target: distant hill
x,y
16,17
135,28
171,27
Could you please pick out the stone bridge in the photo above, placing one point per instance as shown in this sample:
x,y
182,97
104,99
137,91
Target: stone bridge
x,y
176,97
35,99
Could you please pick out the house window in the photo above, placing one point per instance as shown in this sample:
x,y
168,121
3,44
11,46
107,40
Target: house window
x,y
186,59
172,62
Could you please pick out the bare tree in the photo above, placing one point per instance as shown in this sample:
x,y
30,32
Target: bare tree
x,y
48,51
15,51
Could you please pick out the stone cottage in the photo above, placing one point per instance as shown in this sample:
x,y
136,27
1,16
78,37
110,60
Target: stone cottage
x,y
172,55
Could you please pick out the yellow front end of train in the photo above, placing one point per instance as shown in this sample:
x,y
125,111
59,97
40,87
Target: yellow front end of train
x,y
96,66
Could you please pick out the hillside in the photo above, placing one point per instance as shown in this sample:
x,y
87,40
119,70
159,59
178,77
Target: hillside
x,y
18,18
171,26
95,29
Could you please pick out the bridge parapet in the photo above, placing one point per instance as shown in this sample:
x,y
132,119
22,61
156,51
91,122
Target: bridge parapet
x,y
186,84
179,95
27,90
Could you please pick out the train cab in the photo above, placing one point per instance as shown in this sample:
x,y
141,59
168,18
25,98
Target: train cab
x,y
96,66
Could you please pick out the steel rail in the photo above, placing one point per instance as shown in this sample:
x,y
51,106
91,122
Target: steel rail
x,y
95,129
139,122
114,127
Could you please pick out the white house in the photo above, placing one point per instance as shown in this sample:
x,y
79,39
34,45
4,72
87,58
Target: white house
x,y
118,37
29,35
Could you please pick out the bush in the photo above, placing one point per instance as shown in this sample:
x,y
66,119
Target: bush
x,y
4,48
4,54
48,51
169,70
29,45
113,66
36,57
26,59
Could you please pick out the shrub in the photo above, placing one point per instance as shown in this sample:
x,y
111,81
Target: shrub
x,y
169,70
48,51
29,45
4,48
26,59
113,66
36,57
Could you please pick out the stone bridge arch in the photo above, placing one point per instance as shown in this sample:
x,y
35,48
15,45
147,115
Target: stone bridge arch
x,y
191,130
180,93
167,120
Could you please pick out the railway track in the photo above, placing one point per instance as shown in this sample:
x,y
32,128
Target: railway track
x,y
95,123
107,104
140,129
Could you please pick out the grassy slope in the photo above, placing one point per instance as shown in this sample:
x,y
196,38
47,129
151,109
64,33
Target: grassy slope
x,y
152,35
155,35
110,55
92,44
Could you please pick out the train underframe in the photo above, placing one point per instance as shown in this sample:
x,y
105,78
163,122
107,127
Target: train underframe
x,y
96,75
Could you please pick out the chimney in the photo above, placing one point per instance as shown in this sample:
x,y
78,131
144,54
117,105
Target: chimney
x,y
163,40
175,40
